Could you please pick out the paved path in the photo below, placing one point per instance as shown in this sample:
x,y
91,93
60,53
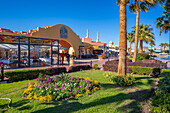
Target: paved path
x,y
77,62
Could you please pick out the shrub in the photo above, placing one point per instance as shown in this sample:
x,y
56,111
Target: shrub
x,y
165,73
27,74
121,80
78,68
60,87
113,65
142,56
161,99
145,70
95,67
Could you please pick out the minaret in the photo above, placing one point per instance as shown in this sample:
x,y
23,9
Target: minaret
x,y
97,37
87,33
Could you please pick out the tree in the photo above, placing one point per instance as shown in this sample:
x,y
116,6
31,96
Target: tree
x,y
162,44
164,22
136,6
152,44
131,39
123,39
165,45
145,35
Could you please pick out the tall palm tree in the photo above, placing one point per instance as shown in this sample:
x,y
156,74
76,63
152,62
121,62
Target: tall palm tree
x,y
123,39
136,6
152,44
131,39
145,35
164,22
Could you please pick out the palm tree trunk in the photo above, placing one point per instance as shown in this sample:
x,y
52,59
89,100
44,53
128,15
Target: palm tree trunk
x,y
137,30
141,46
123,39
130,48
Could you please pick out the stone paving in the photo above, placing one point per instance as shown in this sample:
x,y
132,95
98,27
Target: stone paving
x,y
77,62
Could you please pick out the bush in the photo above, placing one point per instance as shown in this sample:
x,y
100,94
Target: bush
x,y
78,68
27,74
121,80
161,99
142,56
165,73
60,87
95,67
145,70
113,65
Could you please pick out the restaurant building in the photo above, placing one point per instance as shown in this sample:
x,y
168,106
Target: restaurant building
x,y
39,47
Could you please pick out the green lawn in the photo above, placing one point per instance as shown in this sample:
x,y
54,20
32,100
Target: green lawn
x,y
110,98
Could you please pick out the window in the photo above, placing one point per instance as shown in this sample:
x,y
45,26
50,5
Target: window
x,y
63,32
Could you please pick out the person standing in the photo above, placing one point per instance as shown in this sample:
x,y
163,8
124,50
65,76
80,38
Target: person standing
x,y
68,59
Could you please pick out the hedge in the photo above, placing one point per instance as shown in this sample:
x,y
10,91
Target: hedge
x,y
145,70
79,68
165,73
113,65
161,99
25,74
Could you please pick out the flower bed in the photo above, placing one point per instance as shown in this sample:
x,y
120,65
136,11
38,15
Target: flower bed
x,y
60,87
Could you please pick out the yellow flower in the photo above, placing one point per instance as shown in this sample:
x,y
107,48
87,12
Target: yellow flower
x,y
78,95
35,96
88,92
40,98
71,97
35,84
96,82
30,96
49,98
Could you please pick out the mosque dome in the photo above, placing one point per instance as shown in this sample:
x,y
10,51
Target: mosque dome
x,y
111,43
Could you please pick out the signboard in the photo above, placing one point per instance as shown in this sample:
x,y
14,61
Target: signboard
x,y
6,39
40,41
95,47
86,47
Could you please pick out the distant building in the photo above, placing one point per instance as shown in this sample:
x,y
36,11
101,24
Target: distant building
x,y
98,47
112,47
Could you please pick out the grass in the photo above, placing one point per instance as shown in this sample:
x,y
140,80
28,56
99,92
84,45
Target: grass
x,y
110,98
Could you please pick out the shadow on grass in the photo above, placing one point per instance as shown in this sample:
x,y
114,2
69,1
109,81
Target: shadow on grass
x,y
20,103
25,107
108,85
68,107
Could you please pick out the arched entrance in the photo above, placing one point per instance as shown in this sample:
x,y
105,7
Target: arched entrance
x,y
66,36
65,49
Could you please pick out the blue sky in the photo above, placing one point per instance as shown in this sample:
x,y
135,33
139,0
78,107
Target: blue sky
x,y
96,15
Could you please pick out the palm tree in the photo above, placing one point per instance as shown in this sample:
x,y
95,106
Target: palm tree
x,y
165,45
152,44
136,6
145,34
164,22
123,39
162,44
131,39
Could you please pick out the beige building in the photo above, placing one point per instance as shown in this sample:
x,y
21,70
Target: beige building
x,y
40,47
